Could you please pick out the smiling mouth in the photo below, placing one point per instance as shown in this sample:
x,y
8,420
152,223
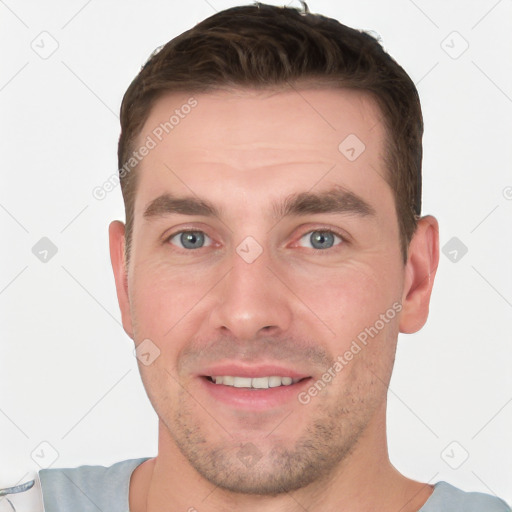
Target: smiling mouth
x,y
272,381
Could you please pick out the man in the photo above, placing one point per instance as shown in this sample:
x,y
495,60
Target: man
x,y
270,163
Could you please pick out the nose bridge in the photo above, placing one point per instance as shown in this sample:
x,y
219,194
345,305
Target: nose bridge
x,y
251,297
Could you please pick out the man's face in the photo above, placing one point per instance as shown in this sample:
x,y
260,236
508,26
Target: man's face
x,y
261,290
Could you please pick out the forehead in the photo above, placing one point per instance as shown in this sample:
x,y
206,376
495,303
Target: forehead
x,y
262,140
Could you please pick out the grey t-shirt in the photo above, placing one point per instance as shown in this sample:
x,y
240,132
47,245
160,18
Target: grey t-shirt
x,y
93,488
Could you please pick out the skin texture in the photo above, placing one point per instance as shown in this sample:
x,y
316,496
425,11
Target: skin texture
x,y
294,305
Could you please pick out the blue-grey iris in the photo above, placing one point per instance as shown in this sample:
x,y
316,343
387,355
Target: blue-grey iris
x,y
192,239
321,239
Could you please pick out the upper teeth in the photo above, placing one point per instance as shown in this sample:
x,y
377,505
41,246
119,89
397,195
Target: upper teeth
x,y
254,382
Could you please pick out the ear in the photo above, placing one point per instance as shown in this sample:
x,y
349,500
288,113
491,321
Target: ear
x,y
116,232
420,270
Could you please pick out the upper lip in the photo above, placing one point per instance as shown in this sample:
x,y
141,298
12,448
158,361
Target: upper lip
x,y
246,370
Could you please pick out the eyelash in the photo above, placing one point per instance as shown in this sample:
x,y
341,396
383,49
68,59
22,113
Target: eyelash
x,y
342,237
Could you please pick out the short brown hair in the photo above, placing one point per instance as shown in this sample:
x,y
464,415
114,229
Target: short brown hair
x,y
263,46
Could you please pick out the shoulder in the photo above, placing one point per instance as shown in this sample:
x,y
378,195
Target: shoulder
x,y
91,487
88,475
449,498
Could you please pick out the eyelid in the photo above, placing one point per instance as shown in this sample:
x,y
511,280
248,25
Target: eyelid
x,y
176,230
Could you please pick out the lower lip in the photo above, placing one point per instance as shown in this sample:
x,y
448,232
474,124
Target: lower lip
x,y
255,399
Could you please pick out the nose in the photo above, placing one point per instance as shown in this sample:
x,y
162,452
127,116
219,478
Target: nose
x,y
252,300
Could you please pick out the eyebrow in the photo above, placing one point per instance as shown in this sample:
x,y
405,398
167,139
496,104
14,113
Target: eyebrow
x,y
334,200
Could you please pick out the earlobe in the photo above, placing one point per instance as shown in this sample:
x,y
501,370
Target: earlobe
x,y
116,234
420,270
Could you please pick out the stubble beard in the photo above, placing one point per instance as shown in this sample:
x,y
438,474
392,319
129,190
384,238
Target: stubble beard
x,y
272,468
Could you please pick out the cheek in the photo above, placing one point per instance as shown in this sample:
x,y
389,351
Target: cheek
x,y
161,296
351,299
351,302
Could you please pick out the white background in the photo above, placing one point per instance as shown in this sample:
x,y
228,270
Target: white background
x,y
68,376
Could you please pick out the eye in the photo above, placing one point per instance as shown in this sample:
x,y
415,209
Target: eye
x,y
321,239
189,239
